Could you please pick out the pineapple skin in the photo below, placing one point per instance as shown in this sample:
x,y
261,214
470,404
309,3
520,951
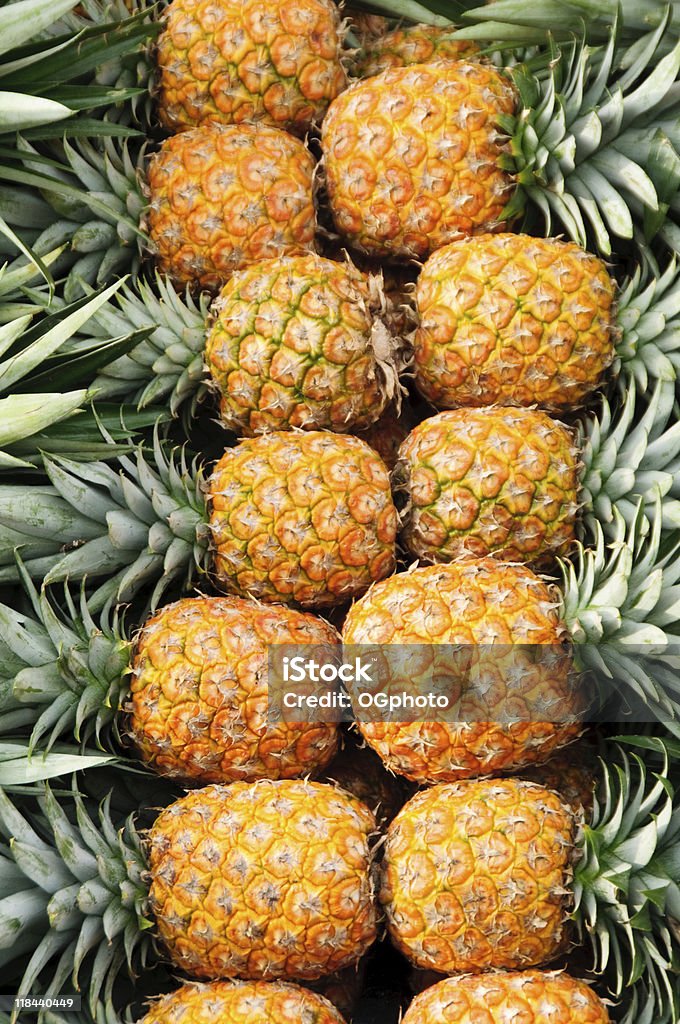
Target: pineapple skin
x,y
199,694
534,997
247,1002
476,876
263,880
303,518
291,346
246,60
491,481
410,44
401,177
473,602
221,197
509,319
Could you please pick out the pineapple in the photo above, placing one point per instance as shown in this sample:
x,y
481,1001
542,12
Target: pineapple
x,y
211,200
190,690
533,997
274,62
511,482
299,517
298,342
419,155
490,481
246,1002
221,197
501,870
198,693
409,44
612,607
508,319
512,320
266,880
469,603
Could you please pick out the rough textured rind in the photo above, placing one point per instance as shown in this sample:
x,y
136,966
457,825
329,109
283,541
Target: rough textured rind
x,y
263,880
410,44
493,481
513,320
245,60
246,1002
302,517
296,343
199,695
476,875
529,997
412,156
221,197
498,688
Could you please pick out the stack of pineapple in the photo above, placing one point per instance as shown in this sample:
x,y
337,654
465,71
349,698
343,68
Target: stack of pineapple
x,y
325,326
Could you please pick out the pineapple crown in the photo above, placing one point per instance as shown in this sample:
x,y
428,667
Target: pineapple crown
x,y
143,523
38,361
56,65
621,605
627,881
515,23
63,672
585,146
648,319
167,366
92,201
75,895
629,454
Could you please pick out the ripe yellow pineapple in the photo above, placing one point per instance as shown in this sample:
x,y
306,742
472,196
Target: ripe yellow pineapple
x,y
263,880
412,156
299,342
249,60
301,517
245,1002
410,44
199,695
529,997
496,682
476,875
224,196
491,481
513,320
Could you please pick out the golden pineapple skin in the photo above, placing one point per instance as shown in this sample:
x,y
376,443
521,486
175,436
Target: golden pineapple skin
x,y
491,481
508,319
476,876
244,1002
470,603
222,197
529,997
265,880
301,517
198,706
410,44
293,345
237,61
412,157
